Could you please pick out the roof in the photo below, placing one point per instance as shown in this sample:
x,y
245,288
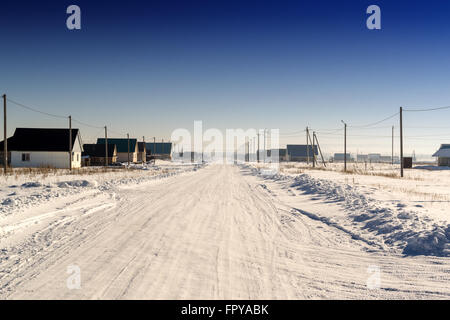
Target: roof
x,y
161,147
98,150
300,150
40,139
121,143
141,146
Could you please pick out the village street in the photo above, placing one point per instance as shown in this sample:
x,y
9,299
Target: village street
x,y
220,232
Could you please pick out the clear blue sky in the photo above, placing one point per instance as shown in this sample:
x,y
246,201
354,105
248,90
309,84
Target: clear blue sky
x,y
148,67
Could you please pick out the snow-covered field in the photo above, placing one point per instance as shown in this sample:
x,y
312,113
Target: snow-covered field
x,y
174,231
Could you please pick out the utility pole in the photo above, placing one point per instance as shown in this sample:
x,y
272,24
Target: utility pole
x,y
70,143
257,151
5,140
128,138
345,145
144,151
264,145
392,145
401,142
106,147
154,146
307,146
314,154
320,150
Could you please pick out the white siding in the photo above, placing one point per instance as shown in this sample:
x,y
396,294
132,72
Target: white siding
x,y
45,159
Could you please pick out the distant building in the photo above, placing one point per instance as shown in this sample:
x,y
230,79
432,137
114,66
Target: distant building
x,y
281,154
159,150
340,157
94,154
300,152
443,155
374,157
362,158
122,148
43,147
142,152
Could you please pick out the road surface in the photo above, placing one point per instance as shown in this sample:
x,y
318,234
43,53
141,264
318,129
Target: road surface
x,y
217,233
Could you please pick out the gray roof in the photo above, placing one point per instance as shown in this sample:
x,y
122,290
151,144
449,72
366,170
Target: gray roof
x,y
444,151
300,150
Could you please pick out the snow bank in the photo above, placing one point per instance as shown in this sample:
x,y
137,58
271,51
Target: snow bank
x,y
396,227
28,194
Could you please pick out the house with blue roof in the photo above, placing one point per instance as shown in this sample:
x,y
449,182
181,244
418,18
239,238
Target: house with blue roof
x,y
301,152
159,150
124,147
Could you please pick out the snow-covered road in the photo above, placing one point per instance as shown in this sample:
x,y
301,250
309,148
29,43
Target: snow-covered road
x,y
218,233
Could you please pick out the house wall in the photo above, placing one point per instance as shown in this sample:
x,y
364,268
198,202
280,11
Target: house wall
x,y
123,156
45,159
142,156
444,161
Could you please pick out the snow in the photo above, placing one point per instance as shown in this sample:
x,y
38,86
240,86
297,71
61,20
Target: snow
x,y
407,214
174,231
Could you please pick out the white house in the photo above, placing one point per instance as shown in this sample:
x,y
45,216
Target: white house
x,y
43,147
443,155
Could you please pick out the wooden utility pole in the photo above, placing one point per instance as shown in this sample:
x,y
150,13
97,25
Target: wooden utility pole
x,y
401,142
128,138
5,140
392,145
307,145
313,151
144,158
154,145
106,147
257,151
320,150
313,144
345,146
70,143
264,145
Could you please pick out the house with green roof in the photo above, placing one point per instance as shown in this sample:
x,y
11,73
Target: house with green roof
x,y
124,147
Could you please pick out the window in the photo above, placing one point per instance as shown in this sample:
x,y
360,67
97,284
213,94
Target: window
x,y
78,157
25,157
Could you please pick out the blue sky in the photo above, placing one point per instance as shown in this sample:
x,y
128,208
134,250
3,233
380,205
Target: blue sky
x,y
149,67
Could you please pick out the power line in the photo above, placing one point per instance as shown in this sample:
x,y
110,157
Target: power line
x,y
375,123
36,110
426,109
86,124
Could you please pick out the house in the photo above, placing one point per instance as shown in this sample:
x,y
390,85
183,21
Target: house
x,y
159,150
362,158
96,154
374,157
43,147
142,152
300,152
340,157
124,147
443,155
